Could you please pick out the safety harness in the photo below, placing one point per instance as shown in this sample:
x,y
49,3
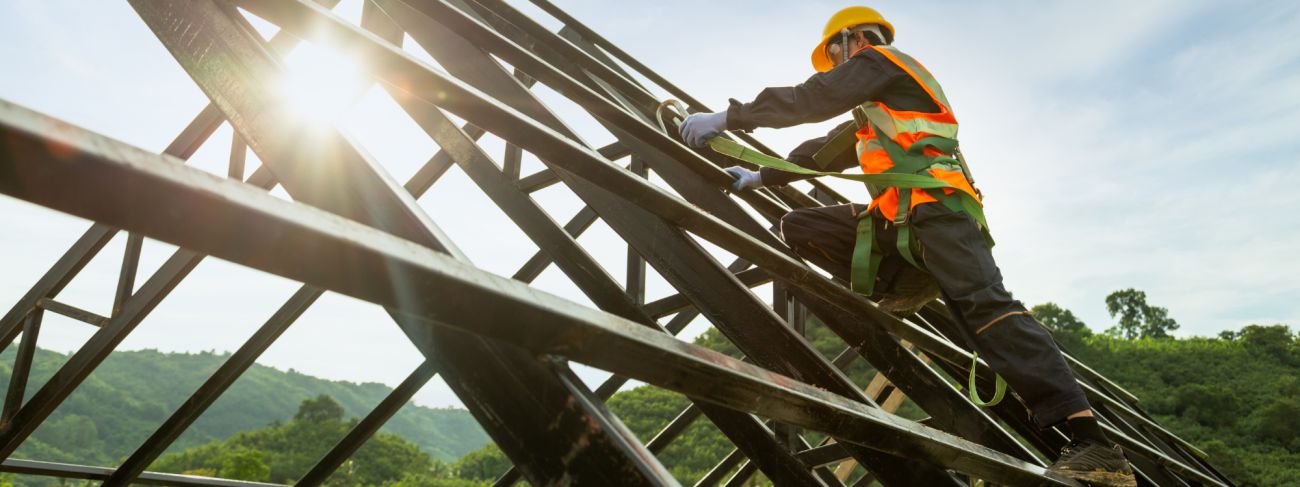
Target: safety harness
x,y
866,253
932,146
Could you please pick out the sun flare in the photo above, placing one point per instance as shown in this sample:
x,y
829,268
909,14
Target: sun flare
x,y
319,85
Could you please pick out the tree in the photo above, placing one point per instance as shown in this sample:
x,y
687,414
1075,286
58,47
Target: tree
x,y
1227,460
244,464
1272,340
486,463
1068,329
74,432
320,409
1060,320
1137,319
1206,404
1280,422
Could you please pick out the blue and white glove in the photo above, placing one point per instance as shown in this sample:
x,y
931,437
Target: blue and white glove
x,y
698,128
745,179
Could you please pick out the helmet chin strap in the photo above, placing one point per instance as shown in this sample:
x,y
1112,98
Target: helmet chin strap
x,y
842,48
844,45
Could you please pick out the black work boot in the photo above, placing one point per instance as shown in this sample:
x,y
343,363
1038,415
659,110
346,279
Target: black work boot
x,y
1095,464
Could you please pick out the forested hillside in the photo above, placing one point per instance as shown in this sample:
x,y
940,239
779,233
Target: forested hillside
x,y
1236,397
132,393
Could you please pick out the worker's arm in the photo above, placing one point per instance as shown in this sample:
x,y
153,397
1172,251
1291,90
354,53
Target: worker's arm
x,y
866,76
803,156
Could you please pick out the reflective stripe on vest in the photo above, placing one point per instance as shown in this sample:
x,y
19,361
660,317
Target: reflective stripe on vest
x,y
905,128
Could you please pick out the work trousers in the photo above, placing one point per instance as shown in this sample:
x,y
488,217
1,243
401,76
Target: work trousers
x,y
955,254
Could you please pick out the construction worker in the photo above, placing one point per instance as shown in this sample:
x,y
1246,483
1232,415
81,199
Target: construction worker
x,y
904,124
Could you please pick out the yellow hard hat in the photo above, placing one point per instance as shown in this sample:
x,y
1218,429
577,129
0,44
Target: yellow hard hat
x,y
844,19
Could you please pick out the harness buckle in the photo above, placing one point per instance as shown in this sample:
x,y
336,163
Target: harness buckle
x,y
900,218
904,206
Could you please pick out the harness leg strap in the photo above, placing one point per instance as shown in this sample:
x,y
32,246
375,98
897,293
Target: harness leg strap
x,y
866,257
904,241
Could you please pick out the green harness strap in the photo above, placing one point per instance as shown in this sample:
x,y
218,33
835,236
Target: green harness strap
x,y
901,176
866,257
734,150
905,240
999,386
911,161
866,252
842,141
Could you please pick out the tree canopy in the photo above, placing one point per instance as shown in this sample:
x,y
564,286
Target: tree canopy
x,y
319,409
1137,319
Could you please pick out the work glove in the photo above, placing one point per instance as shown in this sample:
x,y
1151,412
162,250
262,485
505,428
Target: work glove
x,y
698,128
745,179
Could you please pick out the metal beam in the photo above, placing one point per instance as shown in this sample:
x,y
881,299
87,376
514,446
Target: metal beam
x,y
242,359
456,55
403,275
953,410
750,278
201,34
716,474
22,369
687,267
86,472
126,276
710,295
73,312
454,95
613,76
92,353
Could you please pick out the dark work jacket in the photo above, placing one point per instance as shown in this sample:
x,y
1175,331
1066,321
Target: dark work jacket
x,y
867,76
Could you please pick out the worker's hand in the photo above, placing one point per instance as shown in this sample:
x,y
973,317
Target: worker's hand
x,y
745,179
698,128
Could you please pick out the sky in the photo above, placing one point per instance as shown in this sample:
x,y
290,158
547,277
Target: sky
x,y
1150,145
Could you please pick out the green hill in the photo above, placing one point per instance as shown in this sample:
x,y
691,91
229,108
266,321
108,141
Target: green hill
x,y
1237,396
132,393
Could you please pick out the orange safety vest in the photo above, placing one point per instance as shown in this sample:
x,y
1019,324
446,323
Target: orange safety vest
x,y
905,128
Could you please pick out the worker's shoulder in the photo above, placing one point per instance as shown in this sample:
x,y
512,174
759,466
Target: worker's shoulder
x,y
874,60
878,55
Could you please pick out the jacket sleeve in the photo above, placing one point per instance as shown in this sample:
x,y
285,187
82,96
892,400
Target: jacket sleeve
x,y
864,77
802,155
